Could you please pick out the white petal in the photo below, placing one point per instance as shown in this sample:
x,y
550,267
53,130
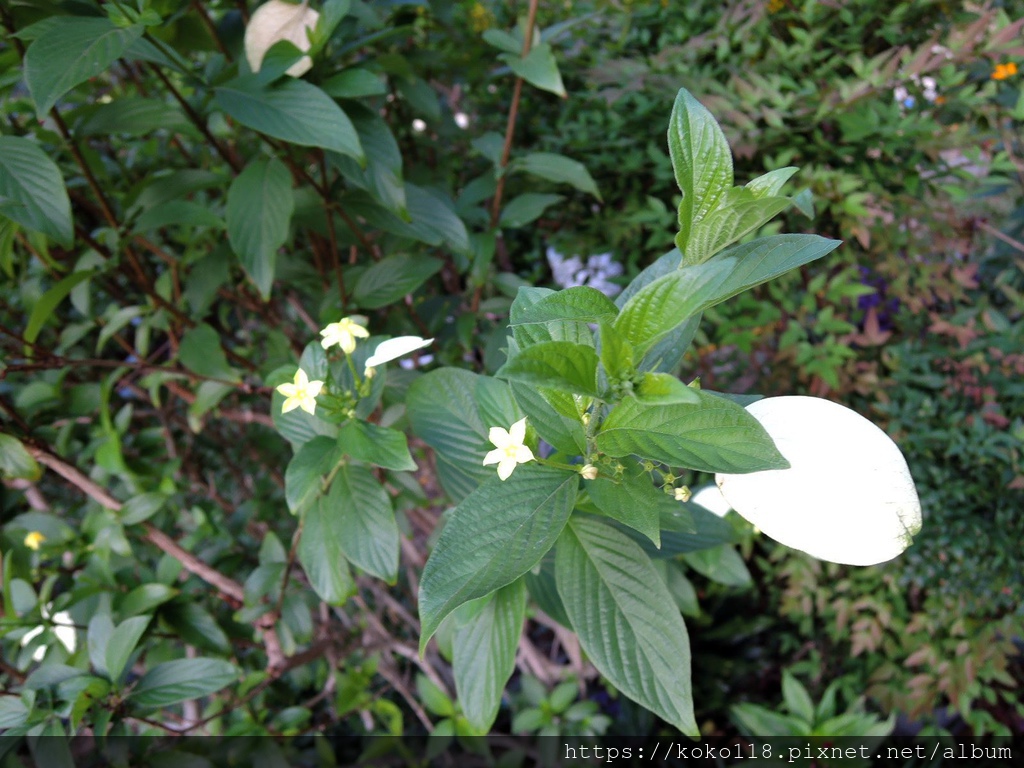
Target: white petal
x,y
274,21
29,636
392,349
499,437
712,500
505,468
524,454
518,432
314,387
494,456
848,496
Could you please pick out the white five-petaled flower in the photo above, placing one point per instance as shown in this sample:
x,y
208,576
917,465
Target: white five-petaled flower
x,y
847,496
510,449
275,21
63,628
682,493
344,333
300,393
394,348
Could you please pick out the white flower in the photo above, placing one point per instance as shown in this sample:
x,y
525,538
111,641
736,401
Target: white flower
x,y
461,120
510,450
712,500
64,629
419,125
344,333
275,21
394,348
588,472
300,393
847,497
682,493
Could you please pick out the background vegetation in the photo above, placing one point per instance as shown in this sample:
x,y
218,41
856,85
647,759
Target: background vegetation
x,y
144,476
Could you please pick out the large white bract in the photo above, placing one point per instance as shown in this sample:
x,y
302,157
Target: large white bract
x,y
847,497
273,22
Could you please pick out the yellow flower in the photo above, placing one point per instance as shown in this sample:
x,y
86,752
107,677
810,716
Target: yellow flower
x,y
1003,71
34,539
344,333
682,493
300,393
588,472
510,449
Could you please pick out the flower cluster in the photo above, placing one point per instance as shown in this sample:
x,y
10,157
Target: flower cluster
x,y
1003,71
596,273
302,393
927,86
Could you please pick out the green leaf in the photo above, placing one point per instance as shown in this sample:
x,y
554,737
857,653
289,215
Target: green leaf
x,y
44,308
765,259
564,433
71,50
541,584
632,500
498,533
144,598
34,188
354,83
526,208
714,436
755,720
557,168
798,701
484,655
662,305
182,680
196,626
304,475
434,220
391,278
665,389
539,68
142,507
16,461
131,115
376,445
322,555
259,209
625,619
616,354
366,522
721,564
580,304
442,409
201,353
576,331
689,529
701,160
771,183
738,214
294,111
558,365
121,644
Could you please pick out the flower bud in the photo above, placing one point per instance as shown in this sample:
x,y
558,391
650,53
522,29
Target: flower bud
x,y
588,472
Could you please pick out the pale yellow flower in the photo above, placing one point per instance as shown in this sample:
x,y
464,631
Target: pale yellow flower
x,y
344,334
588,472
510,450
33,539
300,393
682,493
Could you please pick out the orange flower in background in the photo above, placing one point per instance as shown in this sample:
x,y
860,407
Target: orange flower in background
x,y
1003,71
